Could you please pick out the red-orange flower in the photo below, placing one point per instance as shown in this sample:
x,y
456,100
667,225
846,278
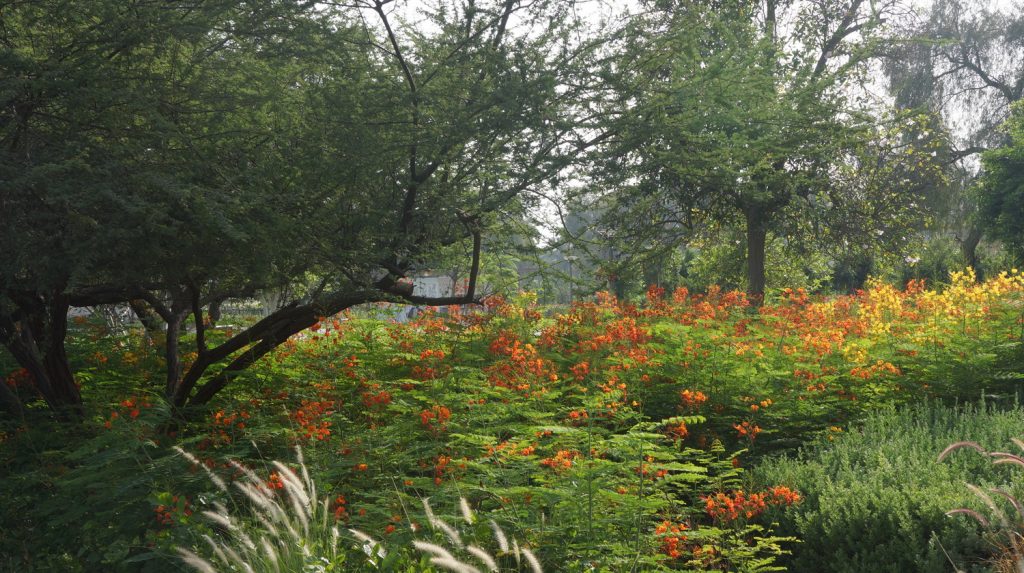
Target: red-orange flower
x,y
561,461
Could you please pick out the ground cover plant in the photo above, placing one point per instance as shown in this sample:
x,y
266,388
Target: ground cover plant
x,y
608,436
875,498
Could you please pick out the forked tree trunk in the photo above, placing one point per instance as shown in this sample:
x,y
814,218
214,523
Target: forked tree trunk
x,y
36,340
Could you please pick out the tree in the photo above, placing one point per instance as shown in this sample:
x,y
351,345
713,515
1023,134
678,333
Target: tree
x,y
963,61
465,121
340,144
97,172
1001,197
742,125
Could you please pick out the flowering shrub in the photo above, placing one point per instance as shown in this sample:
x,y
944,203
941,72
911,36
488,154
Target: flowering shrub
x,y
613,435
730,507
172,509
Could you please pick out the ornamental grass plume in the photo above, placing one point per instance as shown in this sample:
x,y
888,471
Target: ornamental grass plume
x,y
1006,528
288,529
514,556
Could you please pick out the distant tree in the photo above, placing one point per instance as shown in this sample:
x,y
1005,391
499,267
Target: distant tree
x,y
963,61
1001,190
746,125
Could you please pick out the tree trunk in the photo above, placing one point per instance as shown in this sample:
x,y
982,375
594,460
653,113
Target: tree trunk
x,y
969,247
36,340
255,342
55,359
248,346
757,232
198,386
618,287
149,319
172,355
214,312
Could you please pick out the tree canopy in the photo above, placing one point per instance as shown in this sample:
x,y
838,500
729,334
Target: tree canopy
x,y
745,125
1001,192
181,155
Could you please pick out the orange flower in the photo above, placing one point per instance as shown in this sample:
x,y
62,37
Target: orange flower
x,y
725,507
678,431
747,429
561,461
436,418
581,370
672,539
309,416
692,400
275,481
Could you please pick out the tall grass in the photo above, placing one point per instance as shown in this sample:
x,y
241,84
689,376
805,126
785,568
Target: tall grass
x,y
293,531
288,531
1006,527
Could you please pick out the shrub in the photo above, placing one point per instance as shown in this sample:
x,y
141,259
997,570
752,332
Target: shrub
x,y
597,435
876,500
84,498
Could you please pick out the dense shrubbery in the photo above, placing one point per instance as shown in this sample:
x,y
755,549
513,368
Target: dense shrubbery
x,y
875,499
610,434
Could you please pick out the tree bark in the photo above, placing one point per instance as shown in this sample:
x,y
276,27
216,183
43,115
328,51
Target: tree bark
x,y
969,248
215,312
149,319
35,337
55,358
757,233
263,337
255,342
172,354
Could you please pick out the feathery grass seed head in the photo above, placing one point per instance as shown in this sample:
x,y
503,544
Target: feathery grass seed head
x,y
484,557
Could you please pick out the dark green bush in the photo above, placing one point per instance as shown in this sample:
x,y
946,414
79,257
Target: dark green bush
x,y
82,497
875,498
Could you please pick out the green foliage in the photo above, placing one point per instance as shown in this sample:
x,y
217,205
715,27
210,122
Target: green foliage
x,y
122,129
875,499
286,528
786,263
183,156
933,260
1003,526
84,498
961,60
748,125
1001,193
608,435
